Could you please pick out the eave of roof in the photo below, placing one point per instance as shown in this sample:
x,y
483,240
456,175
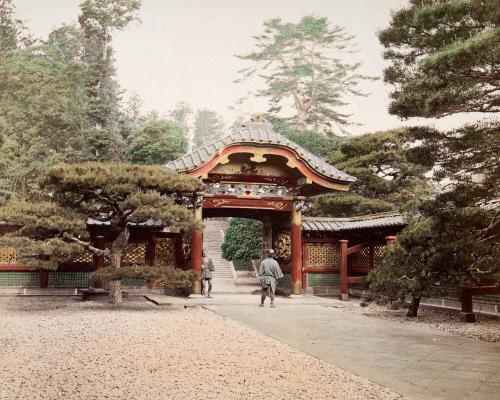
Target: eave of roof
x,y
259,134
327,224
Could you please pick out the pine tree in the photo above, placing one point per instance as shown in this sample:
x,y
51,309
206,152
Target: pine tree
x,y
445,59
390,169
52,222
304,68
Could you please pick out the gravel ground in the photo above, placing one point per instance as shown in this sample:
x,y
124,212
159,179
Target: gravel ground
x,y
55,348
486,328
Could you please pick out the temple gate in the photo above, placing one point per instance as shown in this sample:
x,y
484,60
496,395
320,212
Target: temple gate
x,y
256,173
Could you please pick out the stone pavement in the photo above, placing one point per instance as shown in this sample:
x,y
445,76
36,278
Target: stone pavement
x,y
420,362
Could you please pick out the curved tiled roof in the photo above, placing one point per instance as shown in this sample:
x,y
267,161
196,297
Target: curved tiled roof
x,y
345,224
259,134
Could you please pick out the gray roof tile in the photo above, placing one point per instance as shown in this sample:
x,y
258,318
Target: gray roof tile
x,y
255,133
362,222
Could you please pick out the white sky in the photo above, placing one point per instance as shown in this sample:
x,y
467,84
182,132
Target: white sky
x,y
183,50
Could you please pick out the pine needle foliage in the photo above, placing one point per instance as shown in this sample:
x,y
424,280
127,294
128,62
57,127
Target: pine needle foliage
x,y
52,223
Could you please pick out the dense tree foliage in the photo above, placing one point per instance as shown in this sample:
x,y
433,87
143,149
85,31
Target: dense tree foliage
x,y
313,141
42,103
445,57
243,240
156,142
303,66
59,100
444,60
390,168
438,249
13,33
208,126
52,223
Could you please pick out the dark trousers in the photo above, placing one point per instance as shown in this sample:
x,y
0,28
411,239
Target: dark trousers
x,y
267,292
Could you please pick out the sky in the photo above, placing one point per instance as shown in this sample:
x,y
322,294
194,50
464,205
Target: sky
x,y
184,50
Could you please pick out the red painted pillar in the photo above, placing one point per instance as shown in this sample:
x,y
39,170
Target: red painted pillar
x,y
344,286
196,252
296,259
99,260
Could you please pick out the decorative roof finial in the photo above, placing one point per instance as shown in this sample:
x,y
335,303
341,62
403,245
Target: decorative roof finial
x,y
258,118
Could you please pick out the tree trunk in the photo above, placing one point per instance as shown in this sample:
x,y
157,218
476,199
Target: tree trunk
x,y
115,292
115,287
413,309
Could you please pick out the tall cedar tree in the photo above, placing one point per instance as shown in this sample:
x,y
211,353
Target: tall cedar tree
x,y
52,225
390,170
97,22
208,126
304,67
58,98
445,59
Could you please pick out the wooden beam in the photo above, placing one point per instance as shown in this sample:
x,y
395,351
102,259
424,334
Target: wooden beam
x,y
356,279
358,247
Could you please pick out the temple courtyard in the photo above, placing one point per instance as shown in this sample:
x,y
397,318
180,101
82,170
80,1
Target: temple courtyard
x,y
228,348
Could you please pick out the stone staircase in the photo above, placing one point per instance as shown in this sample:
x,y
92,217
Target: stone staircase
x,y
224,274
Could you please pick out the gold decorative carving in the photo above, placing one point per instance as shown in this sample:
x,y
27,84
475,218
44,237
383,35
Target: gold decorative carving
x,y
323,254
134,254
224,159
278,204
283,246
217,202
7,255
248,169
164,252
291,163
258,157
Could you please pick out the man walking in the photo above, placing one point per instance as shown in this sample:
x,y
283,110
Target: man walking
x,y
269,273
207,267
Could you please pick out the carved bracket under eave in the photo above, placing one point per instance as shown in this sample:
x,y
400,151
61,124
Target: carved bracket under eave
x,y
258,157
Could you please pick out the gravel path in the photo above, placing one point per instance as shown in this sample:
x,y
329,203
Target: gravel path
x,y
66,349
486,328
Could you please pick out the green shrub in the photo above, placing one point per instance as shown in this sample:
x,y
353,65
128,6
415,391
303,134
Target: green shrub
x,y
243,240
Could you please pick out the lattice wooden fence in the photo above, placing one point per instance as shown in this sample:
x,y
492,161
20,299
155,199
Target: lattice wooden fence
x,y
323,279
378,254
361,258
164,252
7,255
134,254
85,257
323,254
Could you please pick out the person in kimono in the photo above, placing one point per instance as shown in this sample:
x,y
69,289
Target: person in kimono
x,y
207,268
269,273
